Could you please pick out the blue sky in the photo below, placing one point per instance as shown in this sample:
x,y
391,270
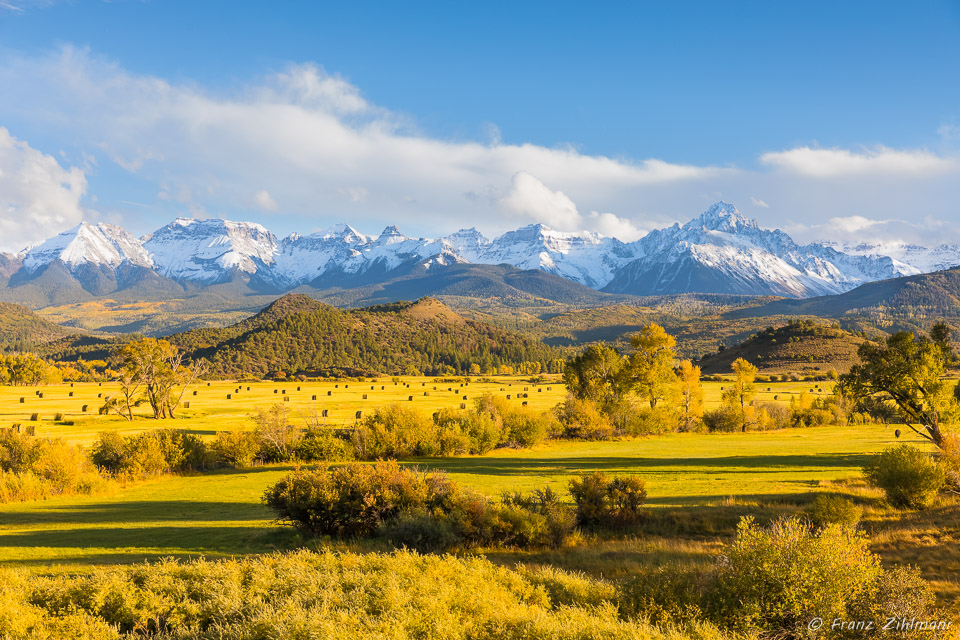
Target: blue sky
x,y
826,119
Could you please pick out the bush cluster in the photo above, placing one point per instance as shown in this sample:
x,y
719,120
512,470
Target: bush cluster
x,y
910,478
397,431
150,453
419,510
832,509
771,581
611,502
33,468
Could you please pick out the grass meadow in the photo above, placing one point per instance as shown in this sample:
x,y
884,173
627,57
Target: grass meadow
x,y
699,485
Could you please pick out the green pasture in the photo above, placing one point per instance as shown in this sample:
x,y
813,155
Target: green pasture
x,y
219,514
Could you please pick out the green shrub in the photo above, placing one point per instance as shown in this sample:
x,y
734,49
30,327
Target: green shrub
x,y
235,448
33,468
910,478
582,419
396,431
722,420
322,444
422,511
356,499
521,427
482,431
828,509
898,593
150,453
608,502
776,579
527,428
418,530
641,420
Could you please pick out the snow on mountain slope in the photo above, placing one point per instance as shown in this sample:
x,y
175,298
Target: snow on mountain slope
x,y
210,250
301,259
722,251
101,245
582,256
923,259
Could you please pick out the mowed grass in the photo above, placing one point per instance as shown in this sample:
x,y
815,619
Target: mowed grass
x,y
219,406
229,405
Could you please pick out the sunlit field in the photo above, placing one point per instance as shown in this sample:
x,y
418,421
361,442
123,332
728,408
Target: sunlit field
x,y
699,484
228,405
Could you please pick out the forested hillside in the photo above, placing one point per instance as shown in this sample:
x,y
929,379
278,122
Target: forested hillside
x,y
800,346
298,335
23,330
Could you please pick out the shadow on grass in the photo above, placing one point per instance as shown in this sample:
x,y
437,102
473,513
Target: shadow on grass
x,y
719,465
136,512
136,544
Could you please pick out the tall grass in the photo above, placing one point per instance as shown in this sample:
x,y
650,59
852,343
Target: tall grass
x,y
321,595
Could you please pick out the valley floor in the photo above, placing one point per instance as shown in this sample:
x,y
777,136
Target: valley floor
x,y
699,485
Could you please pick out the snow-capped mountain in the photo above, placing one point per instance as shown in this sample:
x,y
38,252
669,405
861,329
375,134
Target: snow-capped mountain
x,y
210,250
721,251
583,256
104,245
924,259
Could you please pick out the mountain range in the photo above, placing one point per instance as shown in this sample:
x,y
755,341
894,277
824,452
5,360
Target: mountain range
x,y
720,251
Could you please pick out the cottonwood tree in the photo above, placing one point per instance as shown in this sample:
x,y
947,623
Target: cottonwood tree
x,y
23,369
744,388
651,364
907,369
691,394
599,374
156,369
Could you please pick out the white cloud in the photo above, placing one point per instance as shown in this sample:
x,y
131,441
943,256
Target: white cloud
x,y
828,163
264,201
353,194
853,224
311,87
38,197
310,139
611,225
530,197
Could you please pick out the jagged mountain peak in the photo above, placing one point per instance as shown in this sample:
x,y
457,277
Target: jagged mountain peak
x,y
722,216
720,251
210,250
98,244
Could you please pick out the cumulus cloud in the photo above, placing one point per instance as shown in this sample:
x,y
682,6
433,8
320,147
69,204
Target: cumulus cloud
x,y
310,139
263,201
38,197
531,198
611,225
828,163
853,224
